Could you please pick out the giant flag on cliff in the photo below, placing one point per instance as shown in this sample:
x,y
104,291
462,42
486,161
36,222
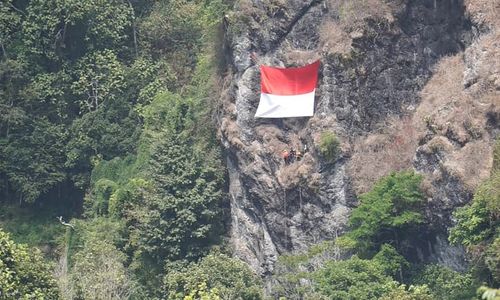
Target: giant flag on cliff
x,y
287,92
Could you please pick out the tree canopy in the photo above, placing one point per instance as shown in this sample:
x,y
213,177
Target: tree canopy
x,y
23,272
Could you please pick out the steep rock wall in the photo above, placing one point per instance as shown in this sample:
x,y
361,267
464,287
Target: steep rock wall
x,y
378,74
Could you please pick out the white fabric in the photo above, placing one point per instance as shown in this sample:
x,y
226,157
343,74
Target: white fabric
x,y
278,106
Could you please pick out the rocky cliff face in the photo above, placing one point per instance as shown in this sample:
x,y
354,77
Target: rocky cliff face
x,y
405,84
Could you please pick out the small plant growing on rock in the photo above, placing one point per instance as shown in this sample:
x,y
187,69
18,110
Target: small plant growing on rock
x,y
329,146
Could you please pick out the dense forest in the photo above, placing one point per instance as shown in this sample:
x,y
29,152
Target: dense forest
x,y
113,182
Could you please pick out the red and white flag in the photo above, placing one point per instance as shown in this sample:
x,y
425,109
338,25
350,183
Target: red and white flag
x,y
287,92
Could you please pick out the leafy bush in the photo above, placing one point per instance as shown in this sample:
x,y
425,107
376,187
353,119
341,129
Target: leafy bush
x,y
478,226
392,262
487,293
496,157
445,283
99,272
180,212
126,196
97,205
23,273
329,146
388,213
93,263
419,292
230,277
473,223
354,278
492,259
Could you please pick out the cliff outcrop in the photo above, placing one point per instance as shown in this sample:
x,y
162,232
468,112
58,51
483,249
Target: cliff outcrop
x,y
403,84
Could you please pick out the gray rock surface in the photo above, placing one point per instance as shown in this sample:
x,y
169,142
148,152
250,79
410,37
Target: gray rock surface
x,y
277,208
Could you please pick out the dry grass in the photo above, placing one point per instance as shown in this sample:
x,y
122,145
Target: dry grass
x,y
347,22
299,173
231,131
293,57
447,109
456,113
333,38
377,155
484,11
438,144
352,13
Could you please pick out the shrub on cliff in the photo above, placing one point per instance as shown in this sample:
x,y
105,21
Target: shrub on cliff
x,y
23,273
353,279
478,228
230,277
329,146
389,213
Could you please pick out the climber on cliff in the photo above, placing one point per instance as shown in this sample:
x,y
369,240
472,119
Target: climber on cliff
x,y
292,157
254,57
299,155
286,156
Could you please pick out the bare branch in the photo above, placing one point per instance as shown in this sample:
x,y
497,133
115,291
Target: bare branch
x,y
16,9
64,223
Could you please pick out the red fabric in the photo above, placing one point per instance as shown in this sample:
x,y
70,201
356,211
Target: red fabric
x,y
289,81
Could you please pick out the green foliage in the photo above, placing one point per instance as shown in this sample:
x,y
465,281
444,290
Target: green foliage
x,y
118,170
292,278
9,22
230,277
490,193
33,225
126,196
419,292
180,214
23,273
392,262
445,283
171,194
179,30
496,156
33,159
97,266
101,79
201,292
102,191
388,213
473,224
487,293
354,278
115,186
492,259
98,272
103,229
60,28
329,146
478,228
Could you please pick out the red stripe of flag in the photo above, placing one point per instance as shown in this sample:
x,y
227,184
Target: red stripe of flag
x,y
289,81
